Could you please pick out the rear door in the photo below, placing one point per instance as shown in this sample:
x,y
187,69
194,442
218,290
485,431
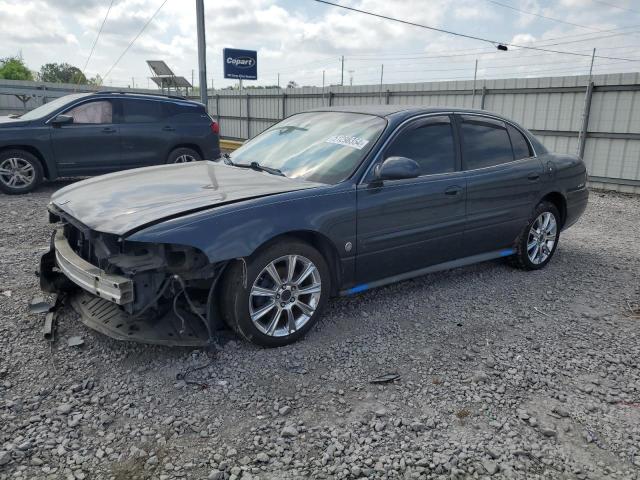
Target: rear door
x,y
405,225
145,133
503,182
91,144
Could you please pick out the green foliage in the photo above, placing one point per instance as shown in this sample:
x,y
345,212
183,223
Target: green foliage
x,y
13,68
62,73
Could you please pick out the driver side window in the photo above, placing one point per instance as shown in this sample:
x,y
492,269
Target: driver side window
x,y
92,112
430,144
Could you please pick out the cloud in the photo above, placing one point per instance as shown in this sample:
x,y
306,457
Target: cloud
x,y
297,39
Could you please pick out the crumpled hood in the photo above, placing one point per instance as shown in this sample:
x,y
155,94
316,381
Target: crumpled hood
x,y
120,202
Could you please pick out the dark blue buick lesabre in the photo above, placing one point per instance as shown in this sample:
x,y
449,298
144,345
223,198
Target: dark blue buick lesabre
x,y
328,202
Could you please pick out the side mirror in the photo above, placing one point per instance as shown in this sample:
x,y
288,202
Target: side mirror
x,y
62,120
397,168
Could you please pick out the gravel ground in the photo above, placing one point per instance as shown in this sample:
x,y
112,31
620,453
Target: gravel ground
x,y
503,373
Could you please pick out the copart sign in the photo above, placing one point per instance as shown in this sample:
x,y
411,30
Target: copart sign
x,y
240,64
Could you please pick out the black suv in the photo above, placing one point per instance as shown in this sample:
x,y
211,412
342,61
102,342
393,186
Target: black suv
x,y
93,133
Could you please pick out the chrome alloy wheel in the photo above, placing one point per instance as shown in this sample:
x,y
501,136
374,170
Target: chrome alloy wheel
x,y
542,238
285,295
17,172
185,158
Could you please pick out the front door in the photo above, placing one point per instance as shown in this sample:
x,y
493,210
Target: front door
x,y
503,182
91,144
405,225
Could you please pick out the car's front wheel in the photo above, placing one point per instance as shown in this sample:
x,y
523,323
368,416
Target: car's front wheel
x,y
538,240
20,172
277,297
183,155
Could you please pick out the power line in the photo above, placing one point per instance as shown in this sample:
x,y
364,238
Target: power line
x,y
97,37
616,6
135,38
504,5
482,50
464,35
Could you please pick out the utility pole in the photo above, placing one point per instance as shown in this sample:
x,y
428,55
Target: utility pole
x,y
381,75
351,77
582,135
342,71
278,80
323,87
473,93
202,53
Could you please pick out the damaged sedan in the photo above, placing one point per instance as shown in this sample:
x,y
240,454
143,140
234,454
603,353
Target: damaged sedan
x,y
328,202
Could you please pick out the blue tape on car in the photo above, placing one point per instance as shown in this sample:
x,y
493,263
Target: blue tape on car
x,y
359,288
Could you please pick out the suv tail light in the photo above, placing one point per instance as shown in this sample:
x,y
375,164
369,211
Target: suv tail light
x,y
215,128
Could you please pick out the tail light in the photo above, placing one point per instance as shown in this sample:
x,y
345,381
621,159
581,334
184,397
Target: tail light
x,y
215,128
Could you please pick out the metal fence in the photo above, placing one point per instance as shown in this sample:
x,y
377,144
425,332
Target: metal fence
x,y
551,107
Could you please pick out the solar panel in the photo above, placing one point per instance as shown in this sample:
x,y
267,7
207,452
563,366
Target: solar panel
x,y
180,82
160,68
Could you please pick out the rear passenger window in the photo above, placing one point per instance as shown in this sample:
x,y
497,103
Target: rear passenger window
x,y
485,143
430,145
142,111
520,145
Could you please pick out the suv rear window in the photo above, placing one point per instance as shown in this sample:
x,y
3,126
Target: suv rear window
x,y
142,111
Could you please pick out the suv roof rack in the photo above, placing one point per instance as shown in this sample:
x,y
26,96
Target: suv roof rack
x,y
178,97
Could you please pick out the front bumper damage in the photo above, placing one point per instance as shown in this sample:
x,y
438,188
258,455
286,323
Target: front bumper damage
x,y
137,297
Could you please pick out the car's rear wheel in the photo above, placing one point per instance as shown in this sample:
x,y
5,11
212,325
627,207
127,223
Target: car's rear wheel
x,y
183,155
538,240
20,172
280,296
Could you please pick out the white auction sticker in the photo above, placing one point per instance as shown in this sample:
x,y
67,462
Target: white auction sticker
x,y
346,140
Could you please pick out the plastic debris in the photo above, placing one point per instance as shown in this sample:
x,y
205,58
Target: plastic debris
x,y
75,341
39,305
386,378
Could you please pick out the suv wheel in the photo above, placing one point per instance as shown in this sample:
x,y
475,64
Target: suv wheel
x,y
279,296
20,172
183,155
538,241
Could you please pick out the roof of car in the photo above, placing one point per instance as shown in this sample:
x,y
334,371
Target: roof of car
x,y
144,95
389,110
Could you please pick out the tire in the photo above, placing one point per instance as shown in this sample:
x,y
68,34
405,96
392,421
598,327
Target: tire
x,y
25,165
272,326
533,253
183,155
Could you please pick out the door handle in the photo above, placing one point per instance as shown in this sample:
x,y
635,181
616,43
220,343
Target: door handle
x,y
454,190
109,130
168,129
533,176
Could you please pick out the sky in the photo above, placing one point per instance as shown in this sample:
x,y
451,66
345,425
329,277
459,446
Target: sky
x,y
301,39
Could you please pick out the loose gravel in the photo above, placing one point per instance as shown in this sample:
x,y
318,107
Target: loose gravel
x,y
502,374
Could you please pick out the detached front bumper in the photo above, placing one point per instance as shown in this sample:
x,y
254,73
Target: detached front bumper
x,y
114,288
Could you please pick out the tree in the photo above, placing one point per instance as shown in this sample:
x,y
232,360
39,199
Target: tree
x,y
62,73
13,68
292,84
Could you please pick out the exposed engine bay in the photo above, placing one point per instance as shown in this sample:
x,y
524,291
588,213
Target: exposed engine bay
x,y
147,292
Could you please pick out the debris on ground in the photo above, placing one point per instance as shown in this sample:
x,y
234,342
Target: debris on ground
x,y
75,341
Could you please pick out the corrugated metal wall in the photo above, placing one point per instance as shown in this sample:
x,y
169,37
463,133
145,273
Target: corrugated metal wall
x,y
552,107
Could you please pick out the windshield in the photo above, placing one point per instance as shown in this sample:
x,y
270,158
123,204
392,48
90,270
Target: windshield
x,y
323,147
52,106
